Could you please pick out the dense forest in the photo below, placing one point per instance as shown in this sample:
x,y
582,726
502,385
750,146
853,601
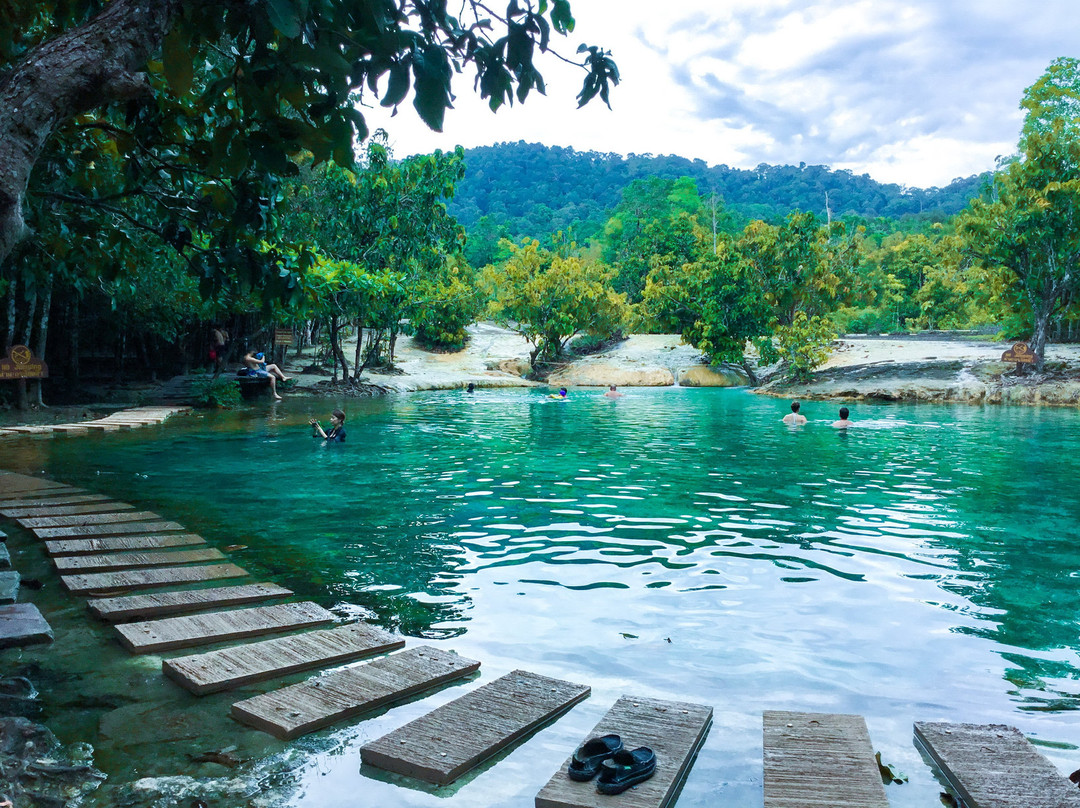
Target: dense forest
x,y
518,190
232,190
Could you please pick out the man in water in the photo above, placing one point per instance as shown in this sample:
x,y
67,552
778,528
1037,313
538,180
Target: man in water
x,y
793,418
559,396
612,393
843,423
337,428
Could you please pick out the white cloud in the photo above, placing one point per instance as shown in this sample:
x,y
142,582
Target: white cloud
x,y
916,92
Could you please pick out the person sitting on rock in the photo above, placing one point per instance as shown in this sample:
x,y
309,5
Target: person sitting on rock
x,y
257,367
793,418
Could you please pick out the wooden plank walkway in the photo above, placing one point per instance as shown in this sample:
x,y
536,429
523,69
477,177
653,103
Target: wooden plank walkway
x,y
674,730
38,495
111,562
89,531
449,741
60,506
83,509
22,624
68,547
296,710
143,607
995,766
169,633
820,759
148,579
11,484
271,659
88,519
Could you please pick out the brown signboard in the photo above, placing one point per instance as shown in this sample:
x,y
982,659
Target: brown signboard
x,y
1021,353
283,336
21,364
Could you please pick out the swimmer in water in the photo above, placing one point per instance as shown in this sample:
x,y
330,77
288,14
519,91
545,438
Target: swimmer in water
x,y
843,423
559,396
613,393
793,418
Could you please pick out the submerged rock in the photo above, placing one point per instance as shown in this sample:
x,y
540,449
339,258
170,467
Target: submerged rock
x,y
593,373
41,773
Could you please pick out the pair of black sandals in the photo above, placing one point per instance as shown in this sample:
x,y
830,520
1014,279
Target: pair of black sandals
x,y
619,768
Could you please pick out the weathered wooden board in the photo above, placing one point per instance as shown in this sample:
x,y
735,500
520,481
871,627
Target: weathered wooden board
x,y
241,665
32,500
29,430
102,427
22,624
110,562
121,529
148,579
995,766
444,744
75,547
144,607
324,700
674,730
168,633
22,483
65,510
820,759
46,494
88,519
70,428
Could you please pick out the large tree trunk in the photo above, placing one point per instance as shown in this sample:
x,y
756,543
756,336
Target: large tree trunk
x,y
87,67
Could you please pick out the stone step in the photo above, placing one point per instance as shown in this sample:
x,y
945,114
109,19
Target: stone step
x,y
22,624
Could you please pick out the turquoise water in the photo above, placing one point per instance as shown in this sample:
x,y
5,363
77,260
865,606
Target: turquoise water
x,y
675,543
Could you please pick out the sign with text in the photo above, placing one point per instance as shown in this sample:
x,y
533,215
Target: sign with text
x,y
22,364
1021,353
283,336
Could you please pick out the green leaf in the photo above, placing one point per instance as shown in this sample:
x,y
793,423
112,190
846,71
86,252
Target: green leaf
x,y
176,58
397,86
284,17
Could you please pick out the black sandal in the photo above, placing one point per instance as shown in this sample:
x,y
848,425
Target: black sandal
x,y
626,769
590,755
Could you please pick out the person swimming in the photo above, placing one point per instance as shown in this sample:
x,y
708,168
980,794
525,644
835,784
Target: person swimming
x,y
337,428
560,396
793,418
843,423
612,393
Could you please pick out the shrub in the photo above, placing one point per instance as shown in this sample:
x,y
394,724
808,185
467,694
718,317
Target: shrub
x,y
804,344
217,391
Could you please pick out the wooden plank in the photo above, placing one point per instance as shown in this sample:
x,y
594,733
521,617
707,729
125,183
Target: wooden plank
x,y
89,531
65,510
111,562
100,427
75,547
29,430
674,730
296,710
88,519
444,744
22,624
48,494
143,607
149,579
820,759
70,429
995,766
271,659
60,498
169,633
19,483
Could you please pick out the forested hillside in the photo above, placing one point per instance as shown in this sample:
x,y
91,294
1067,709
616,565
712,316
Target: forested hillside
x,y
528,189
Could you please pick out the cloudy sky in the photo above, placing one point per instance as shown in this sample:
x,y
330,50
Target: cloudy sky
x,y
916,92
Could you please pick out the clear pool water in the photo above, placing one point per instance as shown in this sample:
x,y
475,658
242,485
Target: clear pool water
x,y
676,543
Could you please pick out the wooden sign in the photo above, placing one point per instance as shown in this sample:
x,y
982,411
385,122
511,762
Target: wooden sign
x,y
283,336
1020,353
21,364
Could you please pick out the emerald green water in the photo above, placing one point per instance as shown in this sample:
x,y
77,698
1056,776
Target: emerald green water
x,y
676,543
